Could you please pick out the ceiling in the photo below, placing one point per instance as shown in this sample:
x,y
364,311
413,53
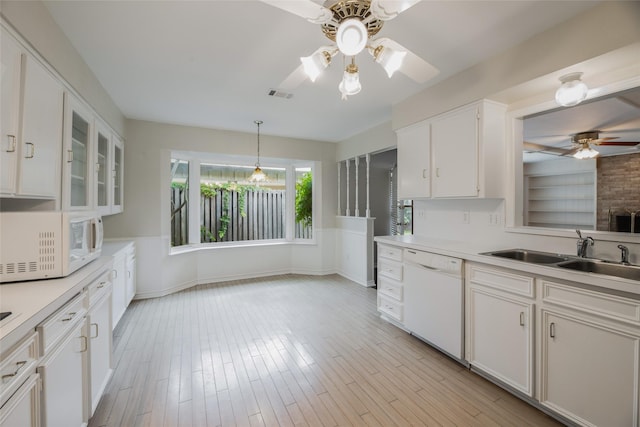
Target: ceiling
x,y
212,63
615,116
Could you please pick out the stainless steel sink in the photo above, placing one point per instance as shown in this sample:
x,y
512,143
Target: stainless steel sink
x,y
631,272
533,257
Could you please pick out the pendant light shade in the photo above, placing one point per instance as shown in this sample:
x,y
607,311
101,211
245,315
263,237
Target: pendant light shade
x,y
350,84
586,152
258,175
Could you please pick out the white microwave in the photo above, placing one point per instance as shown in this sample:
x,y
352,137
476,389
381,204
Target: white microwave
x,y
44,245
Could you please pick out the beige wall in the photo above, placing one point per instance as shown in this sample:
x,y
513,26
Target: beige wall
x,y
606,27
32,21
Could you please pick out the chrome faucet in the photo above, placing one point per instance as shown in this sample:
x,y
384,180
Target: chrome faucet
x,y
624,255
583,244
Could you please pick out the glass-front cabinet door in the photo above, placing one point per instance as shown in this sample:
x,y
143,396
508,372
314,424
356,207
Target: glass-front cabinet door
x,y
118,174
77,154
102,169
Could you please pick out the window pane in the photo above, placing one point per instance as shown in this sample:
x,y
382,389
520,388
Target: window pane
x,y
304,203
233,208
179,202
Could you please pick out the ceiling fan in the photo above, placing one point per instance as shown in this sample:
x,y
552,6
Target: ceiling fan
x,y
581,145
352,25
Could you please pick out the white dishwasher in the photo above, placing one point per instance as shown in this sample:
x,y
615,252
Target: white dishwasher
x,y
433,303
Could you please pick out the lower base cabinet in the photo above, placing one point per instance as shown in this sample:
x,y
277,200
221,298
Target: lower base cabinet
x,y
63,380
590,371
99,319
23,408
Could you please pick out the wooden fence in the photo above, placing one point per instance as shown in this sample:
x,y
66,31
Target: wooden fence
x,y
223,221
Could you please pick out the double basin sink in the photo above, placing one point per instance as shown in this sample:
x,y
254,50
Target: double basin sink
x,y
609,268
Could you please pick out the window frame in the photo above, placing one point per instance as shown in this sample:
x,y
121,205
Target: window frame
x,y
196,159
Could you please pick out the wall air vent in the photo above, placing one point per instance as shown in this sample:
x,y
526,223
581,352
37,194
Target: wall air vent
x,y
46,250
280,94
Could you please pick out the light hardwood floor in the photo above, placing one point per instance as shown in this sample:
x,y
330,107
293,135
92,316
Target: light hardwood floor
x,y
288,350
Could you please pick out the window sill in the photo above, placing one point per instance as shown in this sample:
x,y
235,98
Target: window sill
x,y
229,245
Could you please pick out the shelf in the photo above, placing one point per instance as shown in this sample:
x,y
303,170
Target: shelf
x,y
563,211
78,178
534,199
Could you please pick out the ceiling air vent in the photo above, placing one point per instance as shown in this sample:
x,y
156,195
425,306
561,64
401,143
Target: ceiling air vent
x,y
280,94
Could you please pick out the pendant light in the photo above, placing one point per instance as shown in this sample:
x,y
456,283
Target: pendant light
x,y
258,175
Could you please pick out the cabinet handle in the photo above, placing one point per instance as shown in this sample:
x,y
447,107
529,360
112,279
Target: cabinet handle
x,y
97,167
12,143
101,285
522,318
424,173
19,366
97,330
115,272
438,172
552,330
33,150
69,156
66,319
86,343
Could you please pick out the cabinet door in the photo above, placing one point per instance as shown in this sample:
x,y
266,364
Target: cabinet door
x,y
455,144
39,168
414,180
589,371
23,408
99,349
501,338
131,277
77,154
118,175
103,173
119,302
63,382
9,111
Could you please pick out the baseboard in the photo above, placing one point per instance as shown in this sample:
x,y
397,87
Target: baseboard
x,y
165,291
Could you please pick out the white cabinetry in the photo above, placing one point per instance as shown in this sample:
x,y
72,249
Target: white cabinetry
x,y
62,367
108,160
390,287
78,151
123,275
500,330
34,98
414,169
20,385
590,356
117,171
100,341
467,143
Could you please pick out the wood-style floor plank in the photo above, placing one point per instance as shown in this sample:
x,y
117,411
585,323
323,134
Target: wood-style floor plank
x,y
288,351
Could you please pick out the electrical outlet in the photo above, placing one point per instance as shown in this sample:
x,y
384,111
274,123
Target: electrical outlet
x,y
494,219
466,217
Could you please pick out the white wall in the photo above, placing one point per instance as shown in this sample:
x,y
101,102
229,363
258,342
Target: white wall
x,y
146,216
32,20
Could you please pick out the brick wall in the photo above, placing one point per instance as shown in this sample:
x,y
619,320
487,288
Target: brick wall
x,y
618,186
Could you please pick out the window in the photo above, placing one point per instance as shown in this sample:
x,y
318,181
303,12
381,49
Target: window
x,y
229,207
179,202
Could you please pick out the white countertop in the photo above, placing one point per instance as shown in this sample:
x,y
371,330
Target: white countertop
x,y
33,301
471,252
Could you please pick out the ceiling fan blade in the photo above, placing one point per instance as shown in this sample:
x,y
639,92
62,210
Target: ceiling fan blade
x,y
413,66
293,80
389,9
306,9
532,146
618,143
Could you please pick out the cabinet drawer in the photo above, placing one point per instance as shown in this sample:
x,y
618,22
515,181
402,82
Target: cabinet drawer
x,y
99,288
390,252
390,288
390,307
61,322
498,279
605,305
390,269
17,365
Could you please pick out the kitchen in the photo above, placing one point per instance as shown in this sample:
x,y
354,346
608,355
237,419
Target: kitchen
x,y
145,216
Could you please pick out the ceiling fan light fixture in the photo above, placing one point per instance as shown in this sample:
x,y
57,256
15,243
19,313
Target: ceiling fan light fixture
x,y
350,84
572,91
351,37
315,63
586,152
390,59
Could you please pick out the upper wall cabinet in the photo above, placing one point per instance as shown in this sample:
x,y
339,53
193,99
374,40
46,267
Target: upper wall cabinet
x,y
108,170
414,168
31,127
117,174
78,149
468,151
